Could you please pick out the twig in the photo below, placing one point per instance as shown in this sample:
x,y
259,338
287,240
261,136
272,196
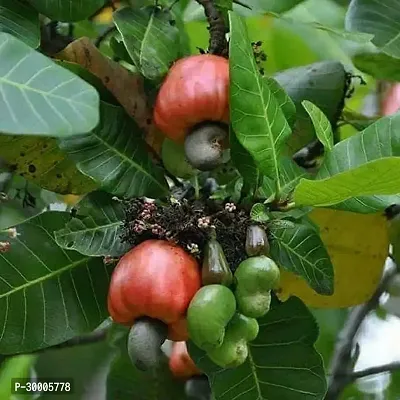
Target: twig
x,y
341,365
218,44
93,337
394,366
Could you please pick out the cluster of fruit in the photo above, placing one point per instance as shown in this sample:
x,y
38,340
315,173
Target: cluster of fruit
x,y
216,309
222,316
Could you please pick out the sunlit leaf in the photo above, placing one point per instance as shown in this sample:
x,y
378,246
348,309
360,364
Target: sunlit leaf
x,y
257,120
376,141
39,97
284,100
381,176
322,126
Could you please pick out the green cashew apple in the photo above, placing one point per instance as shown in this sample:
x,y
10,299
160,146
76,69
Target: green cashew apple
x,y
174,160
234,349
255,277
209,312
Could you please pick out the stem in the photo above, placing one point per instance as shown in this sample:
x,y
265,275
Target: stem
x,y
394,366
341,366
196,187
94,337
218,44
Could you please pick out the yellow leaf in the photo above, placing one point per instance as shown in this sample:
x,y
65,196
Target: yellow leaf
x,y
71,199
358,246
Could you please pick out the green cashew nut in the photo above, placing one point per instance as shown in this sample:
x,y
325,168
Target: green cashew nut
x,y
234,350
209,312
215,269
255,277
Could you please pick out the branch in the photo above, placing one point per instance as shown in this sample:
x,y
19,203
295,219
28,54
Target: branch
x,y
394,366
341,366
218,44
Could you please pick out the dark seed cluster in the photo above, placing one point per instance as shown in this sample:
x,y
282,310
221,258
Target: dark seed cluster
x,y
259,55
189,223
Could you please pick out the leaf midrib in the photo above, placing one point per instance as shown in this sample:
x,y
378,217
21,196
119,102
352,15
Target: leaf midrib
x,y
41,92
254,373
45,277
146,33
80,231
289,249
261,94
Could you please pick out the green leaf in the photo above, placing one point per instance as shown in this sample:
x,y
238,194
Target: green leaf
x,y
257,119
358,37
39,160
115,155
48,295
38,97
285,102
127,382
15,367
86,364
67,11
299,249
20,20
259,213
381,176
98,232
224,4
86,75
290,174
282,362
24,201
150,39
376,141
323,84
378,65
322,126
379,19
245,164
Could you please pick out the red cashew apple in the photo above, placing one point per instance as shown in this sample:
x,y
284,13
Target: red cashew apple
x,y
181,364
156,279
196,90
391,100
